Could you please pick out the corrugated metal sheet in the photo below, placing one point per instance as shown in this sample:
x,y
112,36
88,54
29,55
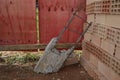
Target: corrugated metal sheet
x,y
54,14
17,22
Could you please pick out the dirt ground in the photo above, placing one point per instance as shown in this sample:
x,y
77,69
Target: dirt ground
x,y
25,72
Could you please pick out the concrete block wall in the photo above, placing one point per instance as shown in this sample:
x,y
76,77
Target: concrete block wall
x,y
101,45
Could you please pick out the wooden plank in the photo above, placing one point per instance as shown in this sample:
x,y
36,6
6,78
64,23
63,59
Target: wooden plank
x,y
33,47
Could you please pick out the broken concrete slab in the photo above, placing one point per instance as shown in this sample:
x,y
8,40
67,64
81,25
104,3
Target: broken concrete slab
x,y
72,59
52,60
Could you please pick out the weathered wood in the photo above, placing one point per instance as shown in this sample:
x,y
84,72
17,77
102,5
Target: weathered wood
x,y
32,47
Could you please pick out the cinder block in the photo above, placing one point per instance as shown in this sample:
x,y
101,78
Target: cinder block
x,y
110,48
111,35
87,37
104,57
98,6
93,72
110,20
91,1
86,54
115,8
113,75
91,18
113,20
95,29
100,18
103,69
102,31
107,72
106,6
90,8
118,37
96,40
73,59
117,53
94,60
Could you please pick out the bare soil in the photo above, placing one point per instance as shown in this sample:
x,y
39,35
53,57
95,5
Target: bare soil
x,y
25,72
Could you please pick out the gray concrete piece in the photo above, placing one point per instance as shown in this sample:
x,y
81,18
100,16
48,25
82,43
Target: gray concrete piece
x,y
52,60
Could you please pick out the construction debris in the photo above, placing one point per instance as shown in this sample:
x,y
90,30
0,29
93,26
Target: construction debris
x,y
52,60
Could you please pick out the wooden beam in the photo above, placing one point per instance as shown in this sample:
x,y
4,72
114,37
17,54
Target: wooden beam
x,y
32,47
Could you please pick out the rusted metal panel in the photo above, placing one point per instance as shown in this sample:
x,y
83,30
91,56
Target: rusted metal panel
x,y
53,16
17,22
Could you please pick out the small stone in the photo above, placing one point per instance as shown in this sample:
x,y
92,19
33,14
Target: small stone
x,y
2,60
82,72
30,68
58,79
53,78
79,65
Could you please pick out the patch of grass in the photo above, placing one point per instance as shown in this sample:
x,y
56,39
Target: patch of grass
x,y
78,52
29,57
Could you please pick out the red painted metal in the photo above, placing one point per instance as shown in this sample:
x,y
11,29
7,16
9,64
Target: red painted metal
x,y
50,19
17,22
53,16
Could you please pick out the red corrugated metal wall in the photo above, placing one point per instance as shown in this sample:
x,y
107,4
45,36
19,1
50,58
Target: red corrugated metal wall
x,y
53,16
17,22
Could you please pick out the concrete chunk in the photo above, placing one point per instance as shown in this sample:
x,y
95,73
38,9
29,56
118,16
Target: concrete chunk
x,y
52,60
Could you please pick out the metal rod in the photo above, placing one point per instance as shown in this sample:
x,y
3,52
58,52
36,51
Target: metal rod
x,y
80,37
69,22
83,33
75,31
67,25
82,18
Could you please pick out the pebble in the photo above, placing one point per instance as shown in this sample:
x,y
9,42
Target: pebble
x,y
58,79
79,65
53,78
2,60
82,72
